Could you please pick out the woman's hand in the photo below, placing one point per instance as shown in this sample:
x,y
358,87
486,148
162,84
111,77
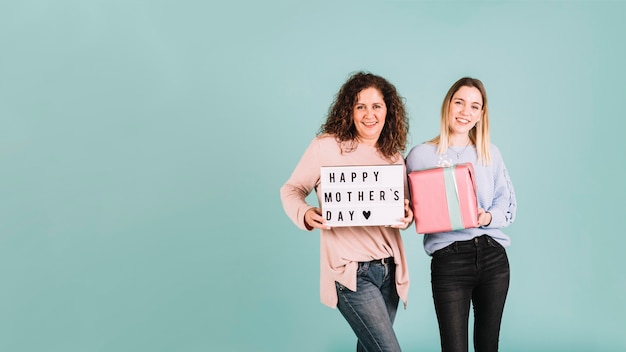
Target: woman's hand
x,y
484,217
313,219
408,216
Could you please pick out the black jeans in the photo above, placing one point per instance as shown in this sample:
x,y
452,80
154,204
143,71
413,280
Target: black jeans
x,y
475,271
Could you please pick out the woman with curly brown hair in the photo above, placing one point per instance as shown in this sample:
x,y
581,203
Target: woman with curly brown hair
x,y
363,269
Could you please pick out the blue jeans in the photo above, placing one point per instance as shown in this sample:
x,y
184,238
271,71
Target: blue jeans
x,y
475,271
371,309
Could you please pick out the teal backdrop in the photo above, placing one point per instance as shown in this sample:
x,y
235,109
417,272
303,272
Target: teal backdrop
x,y
143,145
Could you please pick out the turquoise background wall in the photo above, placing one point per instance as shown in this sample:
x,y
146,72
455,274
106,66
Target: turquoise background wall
x,y
143,144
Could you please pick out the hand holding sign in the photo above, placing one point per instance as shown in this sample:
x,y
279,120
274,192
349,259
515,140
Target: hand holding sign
x,y
408,216
313,219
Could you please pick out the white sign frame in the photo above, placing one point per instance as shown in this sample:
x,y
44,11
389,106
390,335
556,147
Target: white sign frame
x,y
371,195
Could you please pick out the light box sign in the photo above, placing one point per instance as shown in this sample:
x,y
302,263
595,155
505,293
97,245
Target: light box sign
x,y
362,195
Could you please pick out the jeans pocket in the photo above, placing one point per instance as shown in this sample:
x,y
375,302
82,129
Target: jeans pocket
x,y
493,243
444,251
363,269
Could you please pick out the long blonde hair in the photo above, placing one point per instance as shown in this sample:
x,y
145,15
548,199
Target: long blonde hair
x,y
479,135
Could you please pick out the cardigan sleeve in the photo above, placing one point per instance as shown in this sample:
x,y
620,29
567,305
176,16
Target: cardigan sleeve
x,y
303,181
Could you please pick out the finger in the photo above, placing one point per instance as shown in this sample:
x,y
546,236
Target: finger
x,y
404,223
319,225
313,219
318,221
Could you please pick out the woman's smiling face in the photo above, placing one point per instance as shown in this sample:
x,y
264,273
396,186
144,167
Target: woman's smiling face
x,y
466,109
369,113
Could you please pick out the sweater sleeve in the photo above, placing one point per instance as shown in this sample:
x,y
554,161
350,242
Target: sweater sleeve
x,y
303,180
412,160
504,205
420,157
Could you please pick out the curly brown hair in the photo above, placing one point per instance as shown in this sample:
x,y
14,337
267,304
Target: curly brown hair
x,y
340,122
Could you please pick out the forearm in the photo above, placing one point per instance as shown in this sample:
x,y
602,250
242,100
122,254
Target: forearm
x,y
294,204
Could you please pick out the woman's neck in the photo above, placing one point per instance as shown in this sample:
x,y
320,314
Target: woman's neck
x,y
459,140
371,142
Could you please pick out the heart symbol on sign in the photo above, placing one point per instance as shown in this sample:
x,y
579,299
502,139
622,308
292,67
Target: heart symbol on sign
x,y
367,214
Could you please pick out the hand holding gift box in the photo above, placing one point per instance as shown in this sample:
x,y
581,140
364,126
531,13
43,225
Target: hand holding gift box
x,y
444,198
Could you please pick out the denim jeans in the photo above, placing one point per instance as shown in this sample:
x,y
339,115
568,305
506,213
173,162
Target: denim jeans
x,y
371,309
475,271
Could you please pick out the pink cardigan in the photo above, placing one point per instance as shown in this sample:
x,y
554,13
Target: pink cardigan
x,y
341,248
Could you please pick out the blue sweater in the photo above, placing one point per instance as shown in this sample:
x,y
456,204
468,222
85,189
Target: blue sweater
x,y
494,191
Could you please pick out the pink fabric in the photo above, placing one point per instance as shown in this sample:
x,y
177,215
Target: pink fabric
x,y
341,248
428,197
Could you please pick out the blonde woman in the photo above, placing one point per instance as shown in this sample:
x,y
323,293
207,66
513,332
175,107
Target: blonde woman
x,y
469,266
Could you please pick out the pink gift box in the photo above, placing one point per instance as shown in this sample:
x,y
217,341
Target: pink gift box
x,y
444,198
